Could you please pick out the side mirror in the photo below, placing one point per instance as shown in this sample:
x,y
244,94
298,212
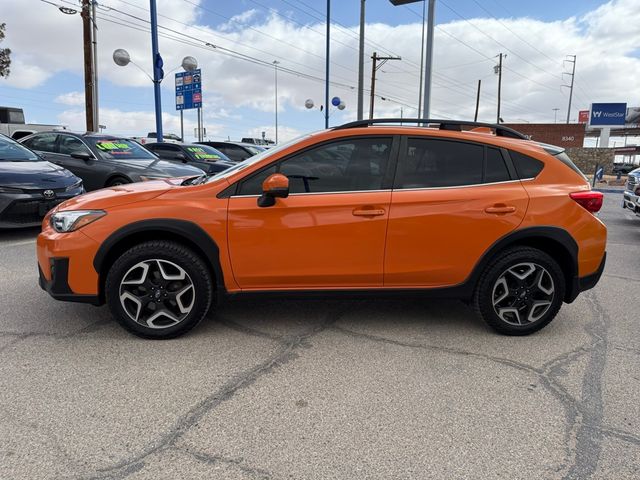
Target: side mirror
x,y
181,156
82,155
274,186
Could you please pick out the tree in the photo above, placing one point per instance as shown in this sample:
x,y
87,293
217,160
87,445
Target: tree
x,y
5,58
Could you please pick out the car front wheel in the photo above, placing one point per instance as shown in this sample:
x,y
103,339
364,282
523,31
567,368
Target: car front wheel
x,y
159,289
520,292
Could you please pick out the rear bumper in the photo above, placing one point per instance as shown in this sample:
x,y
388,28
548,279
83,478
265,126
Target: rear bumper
x,y
581,284
58,286
631,202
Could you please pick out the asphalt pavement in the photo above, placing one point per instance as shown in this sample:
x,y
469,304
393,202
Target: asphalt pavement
x,y
323,389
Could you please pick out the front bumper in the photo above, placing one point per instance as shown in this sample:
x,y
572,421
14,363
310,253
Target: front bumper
x,y
631,201
58,286
28,209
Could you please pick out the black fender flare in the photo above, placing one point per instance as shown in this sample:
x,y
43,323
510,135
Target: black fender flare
x,y
530,236
189,231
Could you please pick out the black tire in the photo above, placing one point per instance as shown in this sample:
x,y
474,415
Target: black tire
x,y
115,181
172,257
520,296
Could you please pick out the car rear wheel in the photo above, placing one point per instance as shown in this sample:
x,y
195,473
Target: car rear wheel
x,y
520,292
159,289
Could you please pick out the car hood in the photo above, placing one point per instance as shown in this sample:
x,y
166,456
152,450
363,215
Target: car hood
x,y
162,167
635,173
121,195
36,175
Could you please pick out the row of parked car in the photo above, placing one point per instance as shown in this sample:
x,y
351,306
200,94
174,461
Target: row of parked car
x,y
46,168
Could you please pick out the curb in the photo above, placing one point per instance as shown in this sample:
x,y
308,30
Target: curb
x,y
609,190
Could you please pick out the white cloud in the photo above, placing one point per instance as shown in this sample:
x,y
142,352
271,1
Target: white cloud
x,y
71,98
604,40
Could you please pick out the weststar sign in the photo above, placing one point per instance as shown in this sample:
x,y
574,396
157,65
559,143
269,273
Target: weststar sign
x,y
607,114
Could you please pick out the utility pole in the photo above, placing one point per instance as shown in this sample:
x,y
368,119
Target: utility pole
x,y
573,74
326,80
555,114
475,117
88,66
498,69
275,64
94,39
361,63
426,106
375,66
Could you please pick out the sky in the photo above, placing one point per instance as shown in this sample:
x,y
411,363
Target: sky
x,y
236,43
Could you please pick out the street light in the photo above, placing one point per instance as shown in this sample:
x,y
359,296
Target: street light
x,y
426,100
122,58
337,102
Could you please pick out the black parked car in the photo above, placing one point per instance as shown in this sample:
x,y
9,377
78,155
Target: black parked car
x,y
104,160
202,156
30,186
236,151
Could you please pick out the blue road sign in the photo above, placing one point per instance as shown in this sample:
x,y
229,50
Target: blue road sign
x,y
188,90
607,114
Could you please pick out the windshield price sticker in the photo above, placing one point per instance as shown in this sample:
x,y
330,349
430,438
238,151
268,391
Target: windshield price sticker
x,y
200,154
114,148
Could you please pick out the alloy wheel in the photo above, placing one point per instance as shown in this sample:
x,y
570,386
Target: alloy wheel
x,y
157,293
523,293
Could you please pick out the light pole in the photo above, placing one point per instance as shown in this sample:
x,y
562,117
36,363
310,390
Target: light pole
x,y
497,69
326,80
122,58
555,114
361,63
275,64
428,64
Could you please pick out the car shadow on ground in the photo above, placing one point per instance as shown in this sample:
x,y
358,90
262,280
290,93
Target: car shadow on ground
x,y
19,234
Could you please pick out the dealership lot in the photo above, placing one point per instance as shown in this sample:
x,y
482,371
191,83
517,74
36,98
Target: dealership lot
x,y
333,388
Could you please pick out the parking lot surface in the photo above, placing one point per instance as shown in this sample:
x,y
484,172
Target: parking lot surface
x,y
332,388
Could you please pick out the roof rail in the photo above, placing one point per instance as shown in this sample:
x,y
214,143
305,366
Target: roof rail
x,y
456,125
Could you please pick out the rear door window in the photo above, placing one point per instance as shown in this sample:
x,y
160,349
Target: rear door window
x,y
433,163
495,168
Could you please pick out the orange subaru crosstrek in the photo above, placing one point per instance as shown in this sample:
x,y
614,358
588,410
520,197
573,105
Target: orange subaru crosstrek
x,y
442,208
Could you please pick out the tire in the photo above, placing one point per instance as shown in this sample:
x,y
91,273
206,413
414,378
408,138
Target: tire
x,y
159,289
520,291
115,181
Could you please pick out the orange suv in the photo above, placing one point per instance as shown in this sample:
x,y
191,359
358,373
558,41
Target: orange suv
x,y
443,208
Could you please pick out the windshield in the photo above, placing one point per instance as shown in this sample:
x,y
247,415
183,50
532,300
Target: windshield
x,y
256,158
120,149
11,151
205,152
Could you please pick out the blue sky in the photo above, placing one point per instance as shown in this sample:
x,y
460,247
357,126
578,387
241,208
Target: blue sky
x,y
47,74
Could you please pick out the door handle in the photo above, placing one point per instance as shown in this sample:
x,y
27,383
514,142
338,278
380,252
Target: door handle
x,y
500,208
368,212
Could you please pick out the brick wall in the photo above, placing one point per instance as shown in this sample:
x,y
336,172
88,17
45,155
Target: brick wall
x,y
561,134
587,158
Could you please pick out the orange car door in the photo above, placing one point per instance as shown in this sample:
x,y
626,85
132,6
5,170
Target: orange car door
x,y
330,231
451,201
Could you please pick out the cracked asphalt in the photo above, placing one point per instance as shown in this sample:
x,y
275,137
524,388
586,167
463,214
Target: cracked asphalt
x,y
327,389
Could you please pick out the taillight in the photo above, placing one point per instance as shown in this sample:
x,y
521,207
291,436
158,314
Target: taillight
x,y
590,200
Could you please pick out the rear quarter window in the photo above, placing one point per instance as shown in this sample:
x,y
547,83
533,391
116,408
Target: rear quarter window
x,y
526,166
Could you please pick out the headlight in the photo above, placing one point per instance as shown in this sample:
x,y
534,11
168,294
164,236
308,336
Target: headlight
x,y
148,178
69,221
76,185
10,190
